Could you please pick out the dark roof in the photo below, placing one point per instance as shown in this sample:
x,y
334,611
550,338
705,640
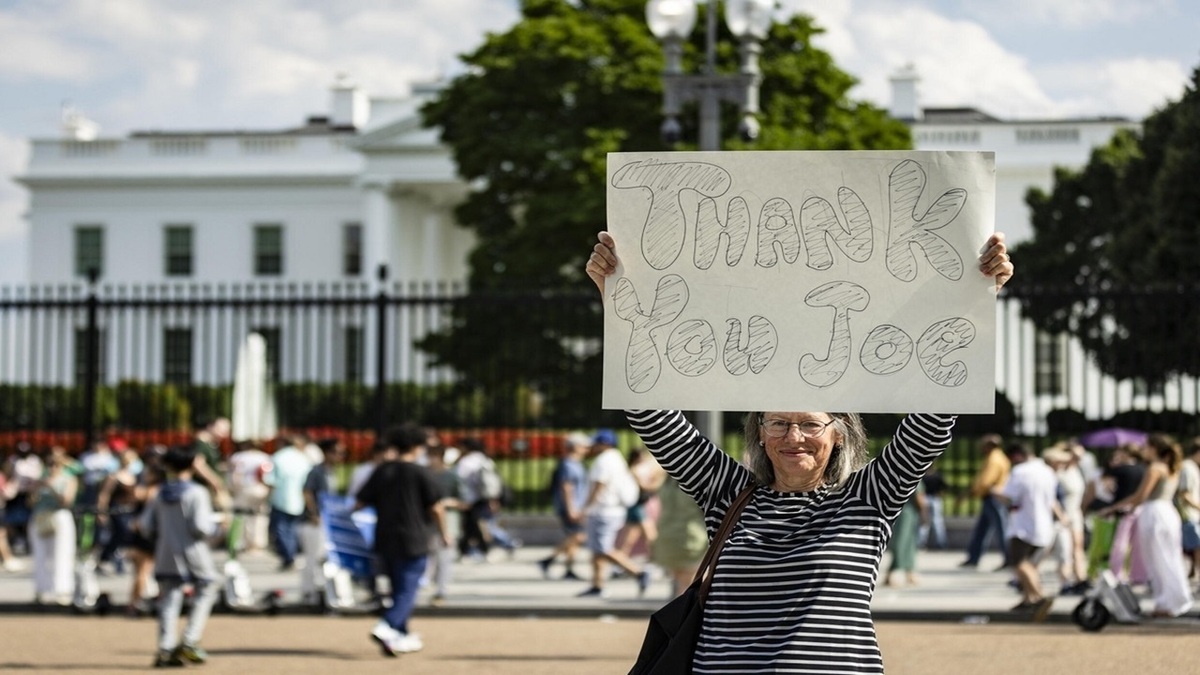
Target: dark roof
x,y
314,126
974,116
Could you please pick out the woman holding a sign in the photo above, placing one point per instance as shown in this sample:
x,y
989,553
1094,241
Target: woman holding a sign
x,y
793,585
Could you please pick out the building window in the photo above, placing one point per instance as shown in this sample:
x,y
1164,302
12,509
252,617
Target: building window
x,y
1049,364
272,336
353,354
89,250
1045,135
352,249
81,356
268,250
178,244
177,356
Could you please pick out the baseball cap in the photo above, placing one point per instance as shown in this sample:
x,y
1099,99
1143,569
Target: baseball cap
x,y
579,439
605,436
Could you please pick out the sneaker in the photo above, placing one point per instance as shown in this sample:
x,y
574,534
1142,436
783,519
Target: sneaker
x,y
1042,609
13,565
437,600
168,659
191,653
571,576
386,636
1024,606
643,582
593,592
544,565
407,643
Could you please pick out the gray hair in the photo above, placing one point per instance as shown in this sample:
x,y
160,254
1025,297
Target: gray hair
x,y
849,454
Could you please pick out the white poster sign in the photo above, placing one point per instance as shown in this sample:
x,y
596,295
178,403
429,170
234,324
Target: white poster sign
x,y
836,281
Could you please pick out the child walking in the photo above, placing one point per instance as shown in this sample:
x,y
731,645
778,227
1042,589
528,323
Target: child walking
x,y
179,519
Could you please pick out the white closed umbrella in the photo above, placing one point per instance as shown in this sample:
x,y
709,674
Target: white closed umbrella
x,y
254,417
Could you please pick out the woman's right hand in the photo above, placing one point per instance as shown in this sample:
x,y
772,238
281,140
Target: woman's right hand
x,y
603,260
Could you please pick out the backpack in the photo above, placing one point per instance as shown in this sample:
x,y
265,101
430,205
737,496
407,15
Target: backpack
x,y
627,489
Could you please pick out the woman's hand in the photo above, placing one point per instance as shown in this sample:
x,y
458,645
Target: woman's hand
x,y
603,260
994,261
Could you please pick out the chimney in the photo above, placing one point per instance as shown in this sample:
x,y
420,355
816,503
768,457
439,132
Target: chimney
x,y
905,105
76,126
350,108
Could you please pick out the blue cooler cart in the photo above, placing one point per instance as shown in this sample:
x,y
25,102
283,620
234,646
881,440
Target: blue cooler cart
x,y
349,569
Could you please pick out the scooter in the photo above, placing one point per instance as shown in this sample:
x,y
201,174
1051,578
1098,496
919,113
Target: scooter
x,y
1108,599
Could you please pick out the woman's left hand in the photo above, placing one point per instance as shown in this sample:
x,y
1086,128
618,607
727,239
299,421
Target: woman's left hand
x,y
994,261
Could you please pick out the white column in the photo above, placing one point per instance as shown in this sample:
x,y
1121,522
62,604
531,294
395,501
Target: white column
x,y
432,259
377,229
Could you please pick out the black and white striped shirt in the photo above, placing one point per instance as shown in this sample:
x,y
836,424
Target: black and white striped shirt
x,y
793,586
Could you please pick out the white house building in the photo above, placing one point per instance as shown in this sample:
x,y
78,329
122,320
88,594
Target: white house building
x,y
329,200
1027,151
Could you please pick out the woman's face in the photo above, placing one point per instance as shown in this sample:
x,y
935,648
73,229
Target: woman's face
x,y
801,453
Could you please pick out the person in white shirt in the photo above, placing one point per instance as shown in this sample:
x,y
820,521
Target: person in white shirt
x,y
247,468
612,489
1032,497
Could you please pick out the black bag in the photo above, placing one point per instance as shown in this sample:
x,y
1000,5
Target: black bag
x,y
670,641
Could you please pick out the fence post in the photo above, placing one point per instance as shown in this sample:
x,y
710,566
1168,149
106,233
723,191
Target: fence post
x,y
91,367
381,303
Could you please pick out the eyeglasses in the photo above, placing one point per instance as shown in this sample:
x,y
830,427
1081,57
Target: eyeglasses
x,y
780,428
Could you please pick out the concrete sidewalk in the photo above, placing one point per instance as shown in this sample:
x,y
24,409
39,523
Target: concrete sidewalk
x,y
514,586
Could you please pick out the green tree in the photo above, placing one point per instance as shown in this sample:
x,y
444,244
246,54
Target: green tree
x,y
530,124
1124,232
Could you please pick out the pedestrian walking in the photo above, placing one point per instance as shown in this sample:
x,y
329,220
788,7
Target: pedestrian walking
x,y
612,489
52,530
568,495
409,510
1031,494
993,515
289,469
180,519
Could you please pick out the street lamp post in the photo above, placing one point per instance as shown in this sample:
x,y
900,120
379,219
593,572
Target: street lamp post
x,y
671,21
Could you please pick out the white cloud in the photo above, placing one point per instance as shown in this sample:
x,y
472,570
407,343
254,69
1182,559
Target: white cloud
x,y
30,51
1127,87
1069,14
14,153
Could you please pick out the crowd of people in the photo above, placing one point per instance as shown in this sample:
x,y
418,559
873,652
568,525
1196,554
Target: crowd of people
x,y
1136,515
157,511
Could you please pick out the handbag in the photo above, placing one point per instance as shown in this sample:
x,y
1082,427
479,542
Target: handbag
x,y
670,641
43,523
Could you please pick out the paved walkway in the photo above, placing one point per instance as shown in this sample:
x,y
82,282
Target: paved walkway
x,y
513,586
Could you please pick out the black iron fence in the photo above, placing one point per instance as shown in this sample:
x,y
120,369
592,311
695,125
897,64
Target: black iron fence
x,y
347,359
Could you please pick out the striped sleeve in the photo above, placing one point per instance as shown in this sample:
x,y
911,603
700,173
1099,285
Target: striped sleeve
x,y
703,471
889,480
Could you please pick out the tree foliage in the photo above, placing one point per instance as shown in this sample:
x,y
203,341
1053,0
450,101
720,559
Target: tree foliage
x,y
530,124
1124,232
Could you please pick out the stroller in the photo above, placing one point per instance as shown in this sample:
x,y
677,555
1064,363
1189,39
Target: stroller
x,y
349,568
1109,599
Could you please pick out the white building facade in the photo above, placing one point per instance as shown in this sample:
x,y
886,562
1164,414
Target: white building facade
x,y
328,201
327,204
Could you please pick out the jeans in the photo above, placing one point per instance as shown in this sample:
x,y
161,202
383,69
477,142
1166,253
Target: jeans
x,y
993,520
170,606
936,526
404,575
284,530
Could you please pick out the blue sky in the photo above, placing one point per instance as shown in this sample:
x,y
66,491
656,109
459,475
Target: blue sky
x,y
224,64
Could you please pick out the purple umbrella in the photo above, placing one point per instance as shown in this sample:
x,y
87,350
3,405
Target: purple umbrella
x,y
1112,437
